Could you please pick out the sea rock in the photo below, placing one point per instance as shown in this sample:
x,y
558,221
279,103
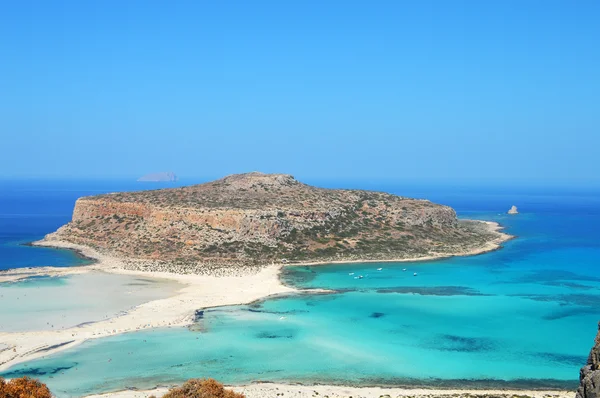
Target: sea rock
x,y
513,210
159,177
255,219
589,376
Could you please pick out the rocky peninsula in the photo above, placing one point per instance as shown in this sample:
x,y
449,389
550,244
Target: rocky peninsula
x,y
254,219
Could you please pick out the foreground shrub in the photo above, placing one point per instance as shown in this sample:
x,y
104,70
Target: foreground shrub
x,y
23,387
201,388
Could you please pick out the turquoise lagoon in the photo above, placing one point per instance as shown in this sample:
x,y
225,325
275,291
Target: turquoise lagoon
x,y
523,316
54,303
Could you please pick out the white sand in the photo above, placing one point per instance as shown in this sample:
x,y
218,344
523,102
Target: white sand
x,y
268,390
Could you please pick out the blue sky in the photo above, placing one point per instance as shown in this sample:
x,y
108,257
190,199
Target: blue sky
x,y
431,90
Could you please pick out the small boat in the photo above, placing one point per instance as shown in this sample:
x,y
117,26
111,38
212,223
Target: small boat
x,y
360,277
281,318
379,269
351,273
415,274
403,269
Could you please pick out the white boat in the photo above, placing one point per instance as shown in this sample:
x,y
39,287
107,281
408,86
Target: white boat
x,y
379,269
351,273
403,269
415,274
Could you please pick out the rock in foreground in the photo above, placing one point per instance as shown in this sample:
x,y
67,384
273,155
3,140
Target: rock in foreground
x,y
589,376
256,219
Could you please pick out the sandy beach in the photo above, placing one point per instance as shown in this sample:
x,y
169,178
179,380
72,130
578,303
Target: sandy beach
x,y
269,390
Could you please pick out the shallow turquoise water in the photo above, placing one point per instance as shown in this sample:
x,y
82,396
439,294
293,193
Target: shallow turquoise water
x,y
523,316
54,303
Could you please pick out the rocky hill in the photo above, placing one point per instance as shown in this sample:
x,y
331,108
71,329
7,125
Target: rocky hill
x,y
590,374
260,218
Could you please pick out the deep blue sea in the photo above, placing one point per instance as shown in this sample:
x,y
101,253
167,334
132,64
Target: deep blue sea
x,y
523,316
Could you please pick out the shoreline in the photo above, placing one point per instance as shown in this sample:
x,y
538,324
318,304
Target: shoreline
x,y
79,253
198,292
274,390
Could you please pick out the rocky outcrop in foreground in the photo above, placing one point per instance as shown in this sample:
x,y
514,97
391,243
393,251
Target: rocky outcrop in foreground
x,y
256,219
589,376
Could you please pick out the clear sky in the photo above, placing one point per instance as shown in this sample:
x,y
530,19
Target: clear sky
x,y
466,90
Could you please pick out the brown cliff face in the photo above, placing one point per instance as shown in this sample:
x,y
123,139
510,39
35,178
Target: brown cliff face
x,y
589,376
259,218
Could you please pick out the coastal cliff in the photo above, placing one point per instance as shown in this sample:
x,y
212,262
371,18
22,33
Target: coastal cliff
x,y
589,376
256,219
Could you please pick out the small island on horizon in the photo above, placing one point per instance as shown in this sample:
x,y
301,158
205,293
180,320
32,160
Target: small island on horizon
x,y
159,177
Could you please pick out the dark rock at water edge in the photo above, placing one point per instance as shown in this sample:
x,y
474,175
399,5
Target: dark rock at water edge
x,y
589,376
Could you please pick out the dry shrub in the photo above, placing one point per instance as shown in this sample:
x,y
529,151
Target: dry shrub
x,y
23,387
201,388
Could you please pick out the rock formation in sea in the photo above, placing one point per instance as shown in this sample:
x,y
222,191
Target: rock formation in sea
x,y
257,219
589,376
513,210
159,177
